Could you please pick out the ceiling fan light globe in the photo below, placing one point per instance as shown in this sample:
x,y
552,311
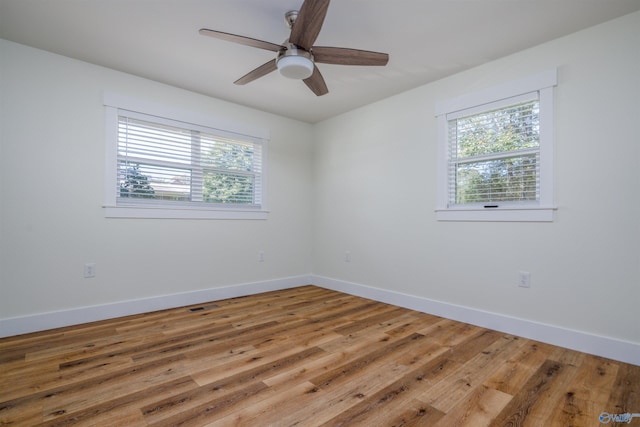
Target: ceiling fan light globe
x,y
295,67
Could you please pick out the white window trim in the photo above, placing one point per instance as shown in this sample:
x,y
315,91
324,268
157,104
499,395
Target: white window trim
x,y
114,102
542,211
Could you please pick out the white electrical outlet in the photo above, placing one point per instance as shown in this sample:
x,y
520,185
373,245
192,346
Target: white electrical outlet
x,y
525,279
90,270
260,256
347,256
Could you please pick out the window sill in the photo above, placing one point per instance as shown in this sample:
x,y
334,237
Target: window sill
x,y
497,215
177,213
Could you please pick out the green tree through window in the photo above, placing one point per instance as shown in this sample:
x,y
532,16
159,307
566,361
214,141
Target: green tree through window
x,y
496,154
136,184
232,179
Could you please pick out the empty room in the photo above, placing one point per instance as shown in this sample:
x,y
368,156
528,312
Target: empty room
x,y
297,212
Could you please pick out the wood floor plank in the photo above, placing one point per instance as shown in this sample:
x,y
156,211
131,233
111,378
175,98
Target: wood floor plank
x,y
471,374
384,406
25,412
304,356
586,397
27,383
139,379
208,410
251,361
355,343
343,373
476,344
477,409
326,402
121,409
211,341
413,413
303,372
271,408
449,333
515,371
237,382
625,392
76,394
521,408
375,319
416,322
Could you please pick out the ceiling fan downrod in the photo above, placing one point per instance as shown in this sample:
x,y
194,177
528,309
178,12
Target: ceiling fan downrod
x,y
290,18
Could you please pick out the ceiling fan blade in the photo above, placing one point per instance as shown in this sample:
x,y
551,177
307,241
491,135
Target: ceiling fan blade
x,y
316,83
308,23
261,71
247,41
345,56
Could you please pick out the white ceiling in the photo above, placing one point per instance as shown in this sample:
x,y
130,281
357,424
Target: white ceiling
x,y
425,39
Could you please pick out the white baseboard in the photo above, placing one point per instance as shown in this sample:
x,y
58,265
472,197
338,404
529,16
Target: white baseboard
x,y
43,321
611,348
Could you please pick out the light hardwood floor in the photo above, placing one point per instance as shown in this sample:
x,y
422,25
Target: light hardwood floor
x,y
302,357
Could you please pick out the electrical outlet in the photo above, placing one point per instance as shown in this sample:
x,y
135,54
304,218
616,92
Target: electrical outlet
x,y
90,270
525,279
347,256
260,256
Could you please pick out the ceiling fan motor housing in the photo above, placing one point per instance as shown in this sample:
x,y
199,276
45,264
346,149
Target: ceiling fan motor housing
x,y
294,63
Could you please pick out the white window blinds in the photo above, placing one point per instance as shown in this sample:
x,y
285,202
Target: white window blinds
x,y
162,161
494,153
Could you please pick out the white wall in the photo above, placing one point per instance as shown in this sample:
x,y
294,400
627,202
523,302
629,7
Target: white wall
x,y
51,177
375,195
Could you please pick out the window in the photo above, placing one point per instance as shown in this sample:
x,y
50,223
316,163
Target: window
x,y
159,167
496,153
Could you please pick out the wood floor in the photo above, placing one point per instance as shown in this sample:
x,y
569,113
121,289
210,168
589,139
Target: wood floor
x,y
302,357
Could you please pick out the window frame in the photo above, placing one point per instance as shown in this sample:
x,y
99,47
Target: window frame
x,y
115,104
542,210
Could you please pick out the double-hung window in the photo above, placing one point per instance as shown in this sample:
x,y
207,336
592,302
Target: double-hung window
x,y
496,153
160,166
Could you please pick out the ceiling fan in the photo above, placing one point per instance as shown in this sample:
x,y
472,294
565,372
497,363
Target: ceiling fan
x,y
297,56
